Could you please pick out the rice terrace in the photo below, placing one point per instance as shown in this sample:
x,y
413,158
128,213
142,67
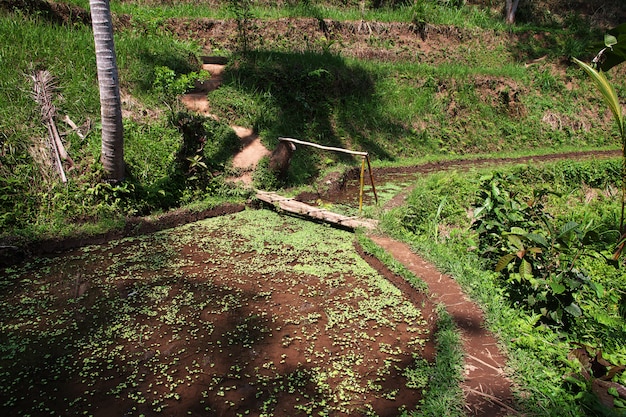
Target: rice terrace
x,y
443,234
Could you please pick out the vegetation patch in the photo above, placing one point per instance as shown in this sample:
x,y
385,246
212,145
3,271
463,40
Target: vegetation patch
x,y
534,244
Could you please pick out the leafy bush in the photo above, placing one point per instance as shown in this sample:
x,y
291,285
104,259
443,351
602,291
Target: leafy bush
x,y
169,86
264,178
538,259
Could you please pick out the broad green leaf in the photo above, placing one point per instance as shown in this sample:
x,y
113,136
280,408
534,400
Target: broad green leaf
x,y
525,269
598,288
608,92
495,191
614,53
557,287
591,237
556,315
515,241
538,239
517,231
609,40
574,310
567,228
504,261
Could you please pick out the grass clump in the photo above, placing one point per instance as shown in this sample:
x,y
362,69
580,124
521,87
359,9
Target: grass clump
x,y
438,381
168,163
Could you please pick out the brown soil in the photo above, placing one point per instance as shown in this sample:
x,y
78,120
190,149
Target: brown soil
x,y
486,387
196,321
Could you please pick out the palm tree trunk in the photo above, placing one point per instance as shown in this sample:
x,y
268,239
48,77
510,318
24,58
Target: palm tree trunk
x,y
510,9
112,154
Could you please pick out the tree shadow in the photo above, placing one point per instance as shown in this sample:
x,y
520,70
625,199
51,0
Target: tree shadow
x,y
566,30
316,97
160,323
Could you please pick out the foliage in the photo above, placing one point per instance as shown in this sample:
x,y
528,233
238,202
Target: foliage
x,y
596,375
242,10
581,219
537,258
442,393
615,43
264,178
169,86
430,207
614,51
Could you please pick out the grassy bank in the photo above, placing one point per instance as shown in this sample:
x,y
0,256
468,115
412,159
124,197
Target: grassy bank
x,y
457,96
542,346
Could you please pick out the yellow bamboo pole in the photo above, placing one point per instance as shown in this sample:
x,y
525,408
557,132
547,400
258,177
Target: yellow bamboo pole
x,y
365,156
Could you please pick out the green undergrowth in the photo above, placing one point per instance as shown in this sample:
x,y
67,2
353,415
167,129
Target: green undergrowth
x,y
396,267
173,158
579,200
544,16
467,98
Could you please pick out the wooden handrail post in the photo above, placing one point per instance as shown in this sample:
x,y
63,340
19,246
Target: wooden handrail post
x,y
361,185
364,155
369,168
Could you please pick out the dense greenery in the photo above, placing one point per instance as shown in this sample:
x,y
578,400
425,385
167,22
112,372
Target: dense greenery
x,y
479,99
547,233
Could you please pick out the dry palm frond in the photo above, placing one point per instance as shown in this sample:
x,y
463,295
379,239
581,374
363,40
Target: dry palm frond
x,y
44,86
40,152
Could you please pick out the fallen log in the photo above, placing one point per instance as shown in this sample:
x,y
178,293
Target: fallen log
x,y
293,206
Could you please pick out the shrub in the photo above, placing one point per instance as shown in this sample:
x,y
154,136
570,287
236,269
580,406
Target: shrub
x,y
538,259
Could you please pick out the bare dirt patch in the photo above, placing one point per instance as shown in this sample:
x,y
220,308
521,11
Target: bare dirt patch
x,y
487,389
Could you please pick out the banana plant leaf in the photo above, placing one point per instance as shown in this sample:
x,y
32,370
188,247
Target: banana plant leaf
x,y
614,48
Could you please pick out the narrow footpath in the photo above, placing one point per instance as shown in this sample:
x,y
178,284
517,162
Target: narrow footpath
x,y
486,388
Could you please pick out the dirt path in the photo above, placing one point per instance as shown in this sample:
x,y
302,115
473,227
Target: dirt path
x,y
252,150
487,390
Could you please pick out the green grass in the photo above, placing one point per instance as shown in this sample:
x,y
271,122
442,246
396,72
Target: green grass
x,y
443,396
439,380
469,97
431,12
538,354
33,203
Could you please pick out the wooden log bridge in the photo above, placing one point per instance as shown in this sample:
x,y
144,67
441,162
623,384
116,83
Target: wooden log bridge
x,y
292,206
